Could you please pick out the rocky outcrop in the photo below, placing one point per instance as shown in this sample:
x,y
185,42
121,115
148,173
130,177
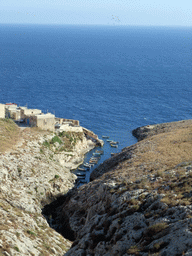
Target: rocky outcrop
x,y
139,203
147,131
32,174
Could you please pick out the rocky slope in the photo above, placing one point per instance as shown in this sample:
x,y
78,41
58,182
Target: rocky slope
x,y
33,172
139,201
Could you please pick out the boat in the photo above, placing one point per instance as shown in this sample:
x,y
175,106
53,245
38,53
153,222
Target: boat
x,y
114,145
81,169
114,142
96,154
93,161
99,151
94,158
87,165
105,137
112,154
80,174
109,140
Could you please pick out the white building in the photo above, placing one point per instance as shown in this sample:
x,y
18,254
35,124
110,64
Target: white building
x,y
2,111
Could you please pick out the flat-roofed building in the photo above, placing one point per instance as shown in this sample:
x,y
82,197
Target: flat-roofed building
x,y
10,110
43,121
2,111
25,112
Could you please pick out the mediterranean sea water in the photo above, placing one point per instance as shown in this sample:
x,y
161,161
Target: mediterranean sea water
x,y
110,78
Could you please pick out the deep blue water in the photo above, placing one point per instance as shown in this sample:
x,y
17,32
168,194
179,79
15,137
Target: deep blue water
x,y
112,79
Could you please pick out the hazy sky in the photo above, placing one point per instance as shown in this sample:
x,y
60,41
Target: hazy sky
x,y
107,12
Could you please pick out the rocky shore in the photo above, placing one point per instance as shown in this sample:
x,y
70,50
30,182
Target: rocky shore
x,y
34,171
139,201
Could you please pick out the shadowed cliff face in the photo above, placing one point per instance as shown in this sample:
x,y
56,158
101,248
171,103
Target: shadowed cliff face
x,y
139,201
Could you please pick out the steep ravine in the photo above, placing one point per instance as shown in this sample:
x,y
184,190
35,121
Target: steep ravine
x,y
139,201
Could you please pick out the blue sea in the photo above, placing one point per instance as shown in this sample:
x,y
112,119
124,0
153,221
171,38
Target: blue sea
x,y
110,78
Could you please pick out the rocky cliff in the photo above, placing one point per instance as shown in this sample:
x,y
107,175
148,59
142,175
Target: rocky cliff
x,y
139,201
34,170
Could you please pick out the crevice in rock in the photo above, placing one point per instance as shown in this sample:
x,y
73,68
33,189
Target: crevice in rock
x,y
52,213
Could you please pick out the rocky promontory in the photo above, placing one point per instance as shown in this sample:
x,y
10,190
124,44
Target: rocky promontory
x,y
139,201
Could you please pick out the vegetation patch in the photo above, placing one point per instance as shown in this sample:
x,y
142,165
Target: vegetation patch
x,y
156,228
55,139
31,233
133,250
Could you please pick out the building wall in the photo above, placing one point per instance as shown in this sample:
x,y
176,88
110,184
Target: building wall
x,y
2,111
43,121
33,121
69,121
25,112
16,115
47,123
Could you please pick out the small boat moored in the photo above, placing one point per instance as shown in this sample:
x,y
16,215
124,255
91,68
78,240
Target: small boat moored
x,y
87,165
114,142
114,145
80,174
96,154
99,151
81,169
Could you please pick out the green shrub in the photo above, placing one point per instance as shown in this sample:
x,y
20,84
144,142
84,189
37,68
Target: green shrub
x,y
16,248
56,139
31,233
19,169
46,143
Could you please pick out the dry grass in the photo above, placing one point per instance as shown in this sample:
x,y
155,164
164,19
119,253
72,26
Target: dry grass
x,y
167,149
9,134
133,250
156,154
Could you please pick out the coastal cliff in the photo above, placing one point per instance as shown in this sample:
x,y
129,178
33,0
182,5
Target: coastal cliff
x,y
34,170
139,201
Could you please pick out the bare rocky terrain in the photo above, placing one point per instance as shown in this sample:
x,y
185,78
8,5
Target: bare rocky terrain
x,y
34,170
139,201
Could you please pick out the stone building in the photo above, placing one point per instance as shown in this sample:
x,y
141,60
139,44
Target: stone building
x,y
43,121
26,112
11,111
